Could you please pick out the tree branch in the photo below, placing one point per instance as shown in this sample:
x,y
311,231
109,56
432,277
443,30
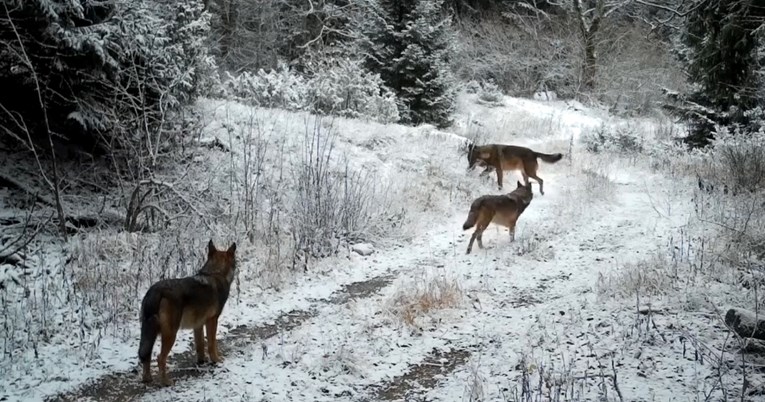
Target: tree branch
x,y
54,184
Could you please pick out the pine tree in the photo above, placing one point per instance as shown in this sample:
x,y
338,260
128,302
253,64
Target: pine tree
x,y
408,45
721,43
107,71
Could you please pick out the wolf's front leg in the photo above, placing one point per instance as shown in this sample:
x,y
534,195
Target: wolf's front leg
x,y
199,343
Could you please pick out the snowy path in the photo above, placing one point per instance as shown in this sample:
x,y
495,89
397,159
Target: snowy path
x,y
528,309
536,294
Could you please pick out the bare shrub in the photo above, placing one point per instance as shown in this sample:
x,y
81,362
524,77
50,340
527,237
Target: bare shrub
x,y
739,161
652,277
249,171
598,183
474,389
541,380
732,188
633,67
420,297
335,204
522,54
94,293
534,244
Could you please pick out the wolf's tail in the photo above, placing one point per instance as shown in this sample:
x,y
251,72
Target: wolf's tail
x,y
471,218
149,324
549,158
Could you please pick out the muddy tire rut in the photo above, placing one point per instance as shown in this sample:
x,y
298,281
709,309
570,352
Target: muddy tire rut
x,y
420,377
126,385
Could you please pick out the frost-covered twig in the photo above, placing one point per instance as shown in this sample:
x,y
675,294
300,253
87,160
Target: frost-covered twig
x,y
54,183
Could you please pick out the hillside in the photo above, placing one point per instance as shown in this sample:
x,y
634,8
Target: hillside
x,y
603,295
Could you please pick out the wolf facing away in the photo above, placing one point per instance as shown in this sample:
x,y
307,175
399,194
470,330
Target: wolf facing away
x,y
499,158
194,302
500,209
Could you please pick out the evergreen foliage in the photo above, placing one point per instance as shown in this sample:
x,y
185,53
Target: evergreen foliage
x,y
408,45
107,72
721,61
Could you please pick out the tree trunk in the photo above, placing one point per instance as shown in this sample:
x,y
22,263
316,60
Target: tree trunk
x,y
590,61
589,32
229,15
746,323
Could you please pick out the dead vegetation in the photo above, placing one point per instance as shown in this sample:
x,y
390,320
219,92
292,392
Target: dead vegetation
x,y
414,301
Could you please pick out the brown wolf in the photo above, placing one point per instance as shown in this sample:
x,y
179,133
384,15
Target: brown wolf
x,y
192,302
500,209
509,157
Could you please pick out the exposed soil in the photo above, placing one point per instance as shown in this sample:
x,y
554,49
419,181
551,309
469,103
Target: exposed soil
x,y
421,376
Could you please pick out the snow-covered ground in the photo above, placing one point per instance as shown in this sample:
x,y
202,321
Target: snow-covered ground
x,y
582,306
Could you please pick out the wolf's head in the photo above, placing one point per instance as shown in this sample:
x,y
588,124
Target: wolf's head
x,y
220,263
472,156
523,193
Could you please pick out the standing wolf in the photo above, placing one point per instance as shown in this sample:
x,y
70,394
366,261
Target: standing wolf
x,y
193,302
509,157
500,209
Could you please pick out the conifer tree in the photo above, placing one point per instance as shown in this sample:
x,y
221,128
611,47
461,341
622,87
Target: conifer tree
x,y
721,43
408,44
102,73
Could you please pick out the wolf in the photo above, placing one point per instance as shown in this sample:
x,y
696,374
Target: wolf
x,y
193,302
500,209
500,157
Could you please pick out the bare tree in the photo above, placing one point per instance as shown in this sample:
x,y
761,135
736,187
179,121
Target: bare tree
x,y
589,21
590,16
52,182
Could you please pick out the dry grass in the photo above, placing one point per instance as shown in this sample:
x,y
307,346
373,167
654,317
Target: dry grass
x,y
651,277
598,182
419,298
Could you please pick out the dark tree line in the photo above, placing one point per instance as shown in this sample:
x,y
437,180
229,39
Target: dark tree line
x,y
97,75
720,43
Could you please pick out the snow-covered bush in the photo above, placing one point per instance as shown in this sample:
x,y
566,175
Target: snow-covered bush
x,y
345,88
618,139
280,88
420,297
490,92
341,88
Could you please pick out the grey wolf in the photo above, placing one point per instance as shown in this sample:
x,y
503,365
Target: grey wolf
x,y
194,302
499,209
500,157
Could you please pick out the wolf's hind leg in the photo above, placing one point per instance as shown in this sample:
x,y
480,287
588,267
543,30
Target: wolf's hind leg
x,y
199,343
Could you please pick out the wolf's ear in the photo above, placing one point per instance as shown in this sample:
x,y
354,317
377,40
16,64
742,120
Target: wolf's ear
x,y
231,250
211,249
